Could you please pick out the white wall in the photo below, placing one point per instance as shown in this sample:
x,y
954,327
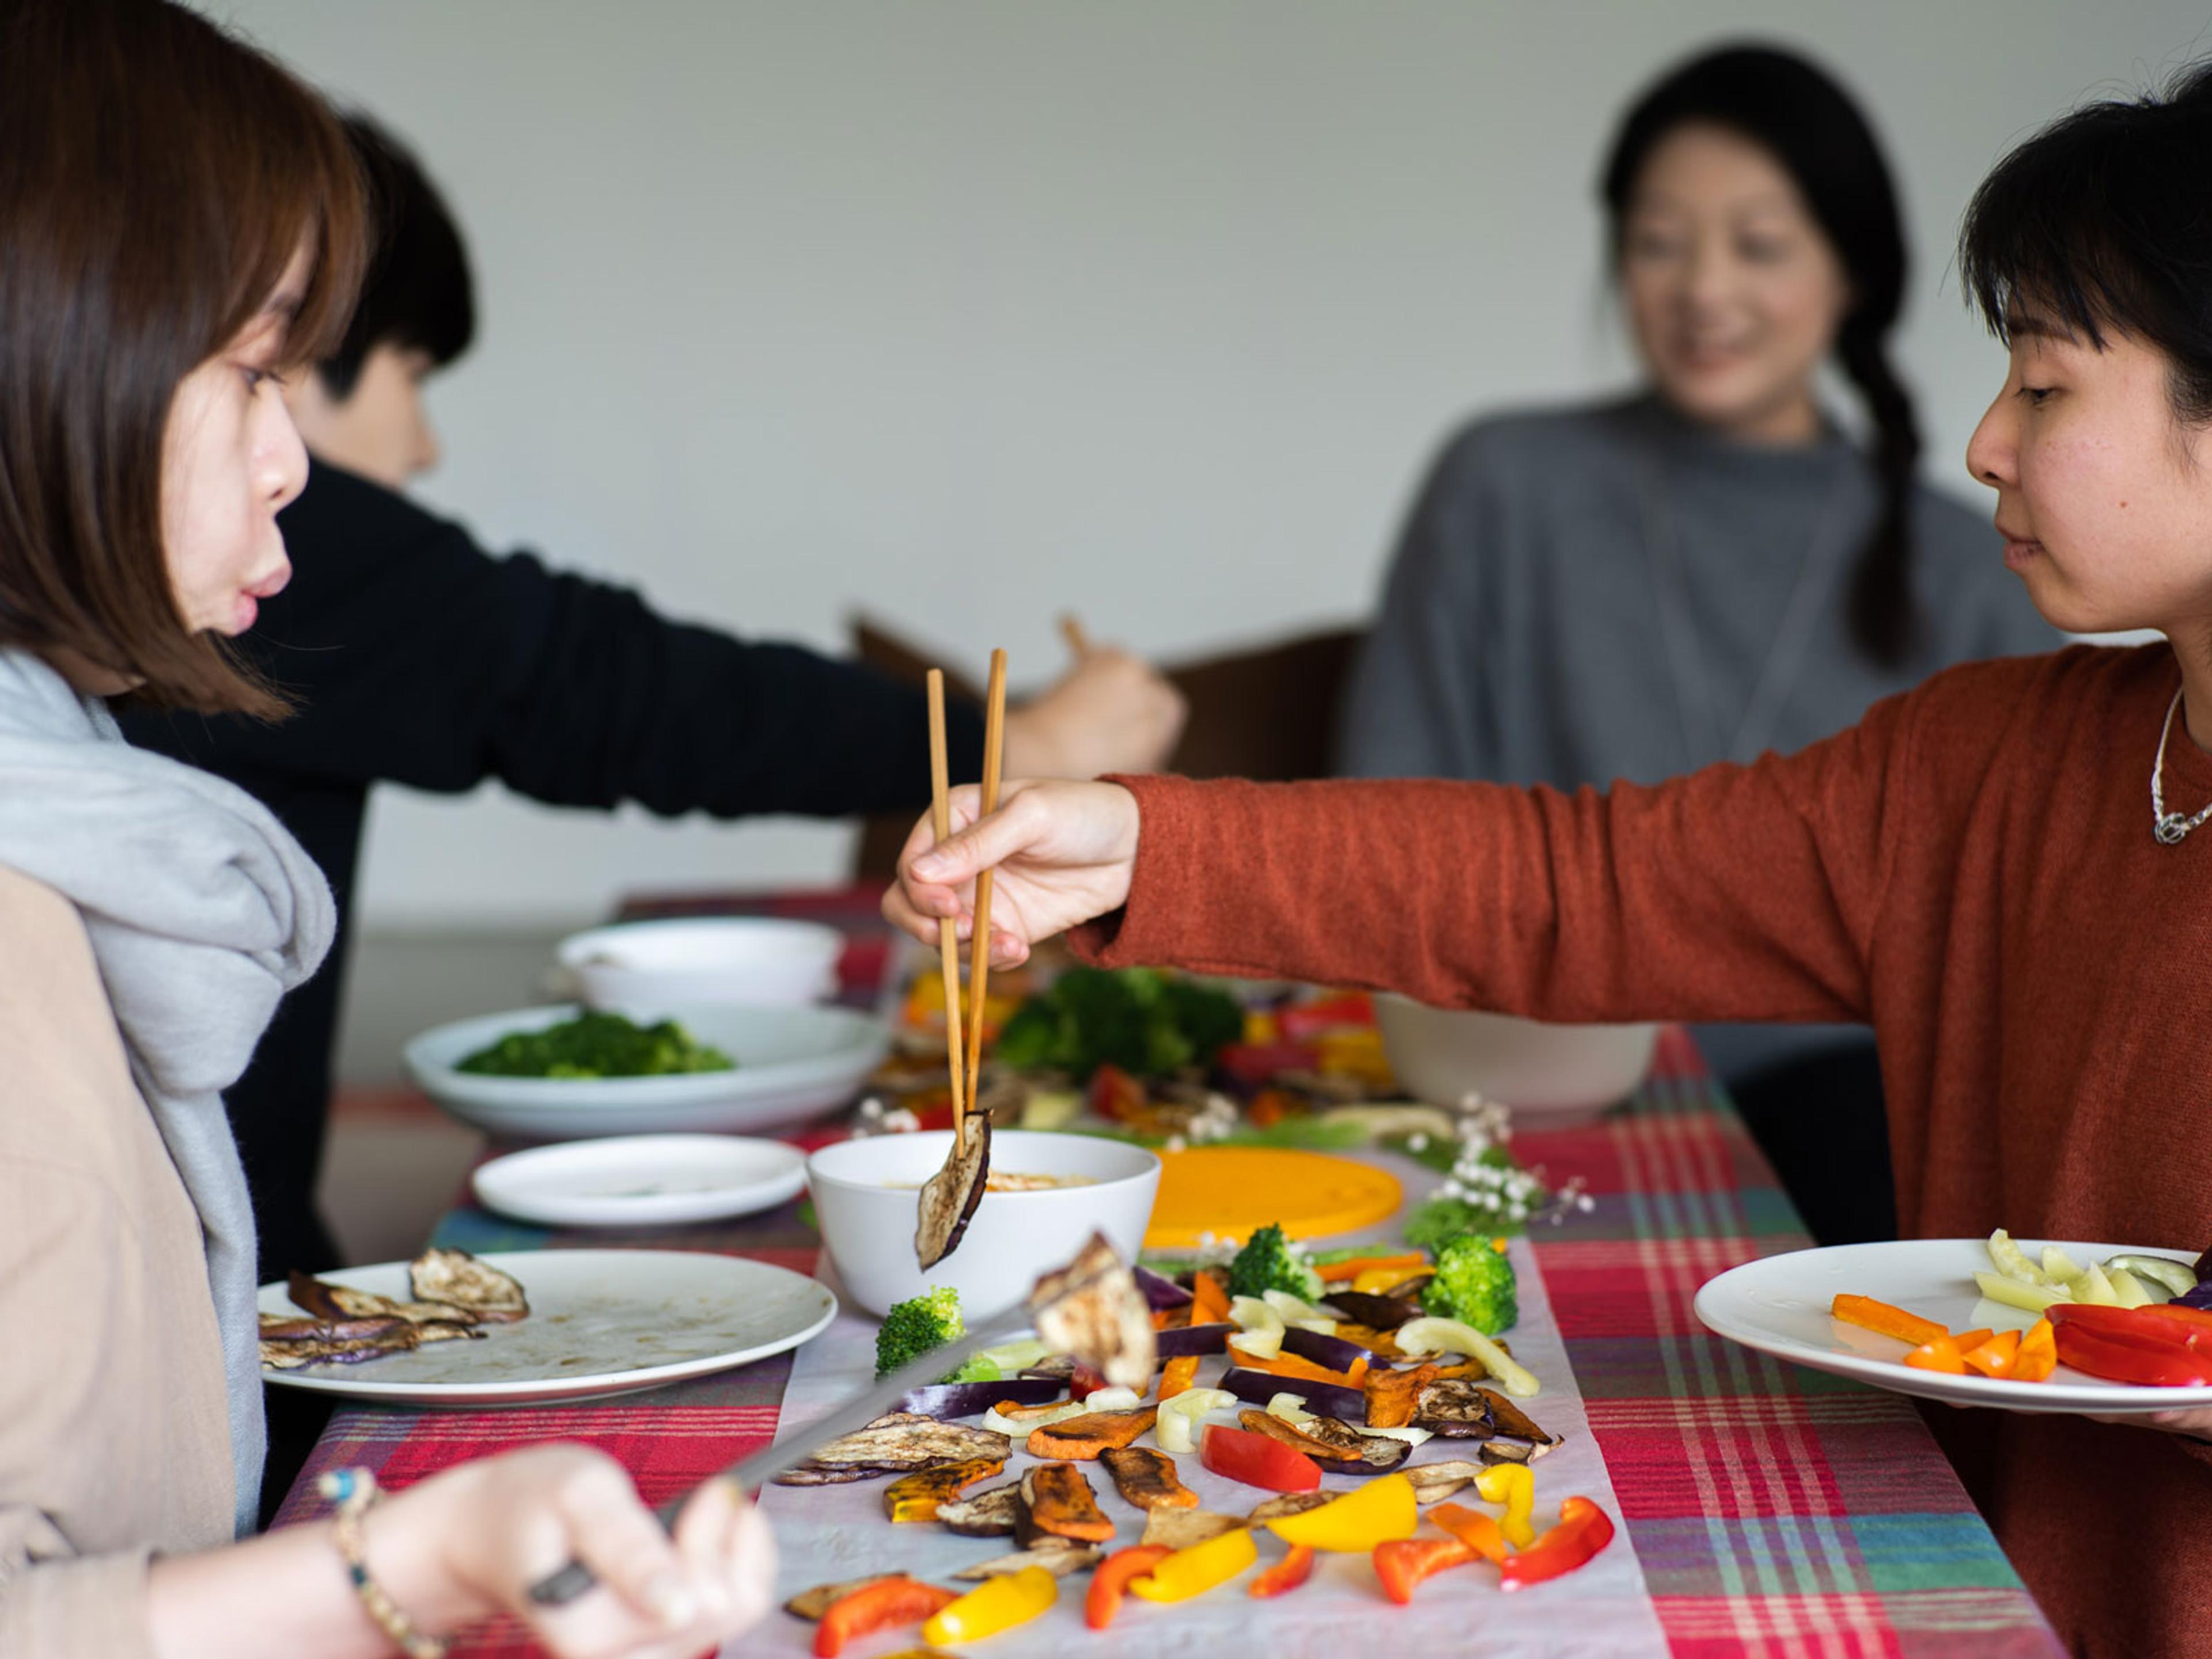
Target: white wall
x,y
977,310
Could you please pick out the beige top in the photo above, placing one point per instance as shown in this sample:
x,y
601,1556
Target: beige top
x,y
114,1434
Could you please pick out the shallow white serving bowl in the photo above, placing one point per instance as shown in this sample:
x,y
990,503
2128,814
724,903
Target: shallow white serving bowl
x,y
793,1064
641,1181
867,1195
1547,1074
644,968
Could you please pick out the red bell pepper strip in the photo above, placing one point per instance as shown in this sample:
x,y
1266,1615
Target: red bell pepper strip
x,y
1084,1382
1257,1461
1287,1574
879,1606
2154,1327
1405,1562
1583,1530
2119,1359
1111,1580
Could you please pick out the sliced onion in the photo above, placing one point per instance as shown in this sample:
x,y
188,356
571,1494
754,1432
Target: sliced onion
x,y
1020,1430
1297,1314
1257,1345
1409,1434
1112,1399
1325,1399
1292,1408
1173,1428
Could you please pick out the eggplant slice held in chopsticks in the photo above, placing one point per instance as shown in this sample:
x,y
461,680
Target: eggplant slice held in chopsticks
x,y
949,1198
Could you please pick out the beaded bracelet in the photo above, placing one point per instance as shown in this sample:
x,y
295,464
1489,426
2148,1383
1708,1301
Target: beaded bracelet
x,y
354,1490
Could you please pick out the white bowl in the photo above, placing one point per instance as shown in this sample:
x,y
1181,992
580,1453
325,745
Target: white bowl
x,y
793,1064
867,1193
644,968
1552,1074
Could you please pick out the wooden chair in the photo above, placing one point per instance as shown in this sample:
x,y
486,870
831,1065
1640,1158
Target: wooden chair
x,y
1268,713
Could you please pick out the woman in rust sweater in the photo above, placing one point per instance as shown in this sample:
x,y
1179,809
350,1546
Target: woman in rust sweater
x,y
2007,871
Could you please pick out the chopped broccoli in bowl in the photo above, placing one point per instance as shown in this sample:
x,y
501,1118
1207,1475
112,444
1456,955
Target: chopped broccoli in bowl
x,y
1473,1284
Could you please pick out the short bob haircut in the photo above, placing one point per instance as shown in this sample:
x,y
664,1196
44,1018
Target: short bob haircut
x,y
157,179
2099,224
418,293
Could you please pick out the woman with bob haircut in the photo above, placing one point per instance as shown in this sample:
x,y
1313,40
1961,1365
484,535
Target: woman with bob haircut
x,y
2007,872
180,223
1711,567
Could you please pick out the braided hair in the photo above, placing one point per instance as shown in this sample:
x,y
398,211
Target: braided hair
x,y
1810,125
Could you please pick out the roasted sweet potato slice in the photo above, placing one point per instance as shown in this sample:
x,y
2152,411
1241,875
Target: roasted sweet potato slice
x,y
1080,1439
1059,1504
1147,1479
917,1497
1391,1395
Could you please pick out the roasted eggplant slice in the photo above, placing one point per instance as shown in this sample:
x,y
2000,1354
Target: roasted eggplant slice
x,y
1092,1309
290,1355
1434,1482
1514,1424
328,1301
949,1198
277,1328
1057,1556
919,1496
1456,1408
1379,1313
813,1603
1178,1530
1289,1503
1328,1456
457,1278
1058,1503
1146,1479
1371,1453
992,1514
898,1443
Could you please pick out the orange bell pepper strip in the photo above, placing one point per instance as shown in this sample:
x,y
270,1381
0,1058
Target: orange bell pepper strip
x,y
1178,1376
1405,1562
1472,1528
1405,1266
1940,1355
1870,1314
1209,1300
879,1606
1288,1365
2039,1353
1994,1357
1111,1580
1287,1574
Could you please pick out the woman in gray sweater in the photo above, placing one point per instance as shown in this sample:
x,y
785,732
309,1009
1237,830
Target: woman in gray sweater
x,y
1710,568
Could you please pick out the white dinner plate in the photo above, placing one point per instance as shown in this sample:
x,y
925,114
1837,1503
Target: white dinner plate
x,y
641,1181
792,1064
601,1322
1779,1306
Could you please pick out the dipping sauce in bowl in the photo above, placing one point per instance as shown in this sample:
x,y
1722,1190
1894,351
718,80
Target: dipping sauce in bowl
x,y
866,1195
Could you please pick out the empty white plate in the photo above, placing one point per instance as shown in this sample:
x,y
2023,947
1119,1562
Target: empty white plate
x,y
641,1181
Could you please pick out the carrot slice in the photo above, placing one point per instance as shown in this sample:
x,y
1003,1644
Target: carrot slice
x,y
1177,1376
1870,1314
1288,1365
1339,1272
1209,1302
1391,1395
1083,1437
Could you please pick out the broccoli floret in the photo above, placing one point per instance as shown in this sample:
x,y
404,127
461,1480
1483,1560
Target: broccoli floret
x,y
912,1329
1269,1261
1474,1285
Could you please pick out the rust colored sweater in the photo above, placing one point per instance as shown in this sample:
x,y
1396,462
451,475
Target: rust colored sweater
x,y
1971,869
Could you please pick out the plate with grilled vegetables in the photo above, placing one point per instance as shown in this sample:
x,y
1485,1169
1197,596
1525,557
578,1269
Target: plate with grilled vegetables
x,y
526,1327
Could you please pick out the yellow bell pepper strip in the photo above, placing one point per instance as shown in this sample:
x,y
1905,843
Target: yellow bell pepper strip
x,y
1886,1320
1405,1562
1994,1357
996,1605
1178,1375
879,1606
1382,1281
1511,1484
1200,1568
1583,1530
1287,1574
2039,1353
1472,1528
1384,1509
1405,1266
1112,1578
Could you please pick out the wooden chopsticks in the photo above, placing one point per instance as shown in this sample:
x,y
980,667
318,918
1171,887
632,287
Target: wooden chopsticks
x,y
965,1076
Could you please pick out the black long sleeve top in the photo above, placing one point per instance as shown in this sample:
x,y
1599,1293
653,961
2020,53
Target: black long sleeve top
x,y
416,657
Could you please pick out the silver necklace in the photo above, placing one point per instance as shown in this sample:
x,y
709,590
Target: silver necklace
x,y
2169,827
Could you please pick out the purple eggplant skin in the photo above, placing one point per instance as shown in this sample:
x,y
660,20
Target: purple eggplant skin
x,y
1332,1352
1161,1292
1193,1339
2199,1297
2204,1267
1322,1399
1383,1313
947,1401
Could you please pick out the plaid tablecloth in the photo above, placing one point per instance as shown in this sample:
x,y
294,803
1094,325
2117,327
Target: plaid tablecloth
x,y
1777,1512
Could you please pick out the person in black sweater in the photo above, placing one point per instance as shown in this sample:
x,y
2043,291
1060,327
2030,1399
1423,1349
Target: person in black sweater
x,y
415,656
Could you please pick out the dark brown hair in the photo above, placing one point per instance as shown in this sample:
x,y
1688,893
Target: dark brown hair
x,y
157,179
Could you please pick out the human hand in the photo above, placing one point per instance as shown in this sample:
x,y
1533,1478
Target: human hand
x,y
1063,853
1111,713
478,1536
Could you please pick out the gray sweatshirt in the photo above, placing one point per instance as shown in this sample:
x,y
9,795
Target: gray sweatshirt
x,y
1614,592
